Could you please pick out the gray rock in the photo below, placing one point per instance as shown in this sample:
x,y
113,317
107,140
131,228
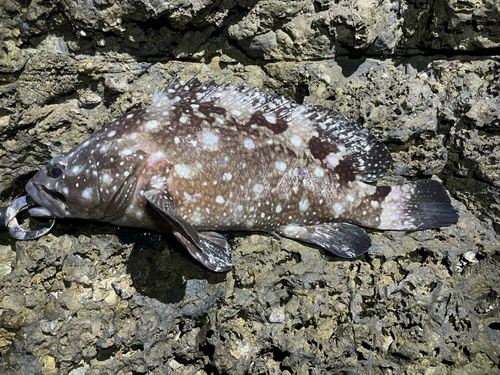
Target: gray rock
x,y
80,300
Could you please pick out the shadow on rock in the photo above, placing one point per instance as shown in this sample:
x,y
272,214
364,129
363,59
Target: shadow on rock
x,y
160,267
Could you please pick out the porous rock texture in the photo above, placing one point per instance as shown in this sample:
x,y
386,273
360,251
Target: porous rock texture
x,y
89,298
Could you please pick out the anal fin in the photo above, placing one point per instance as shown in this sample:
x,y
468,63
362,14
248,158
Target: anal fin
x,y
342,239
209,248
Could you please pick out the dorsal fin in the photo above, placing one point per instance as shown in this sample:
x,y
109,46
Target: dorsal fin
x,y
368,158
225,95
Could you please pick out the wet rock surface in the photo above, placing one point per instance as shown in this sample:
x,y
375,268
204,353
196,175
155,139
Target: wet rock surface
x,y
90,298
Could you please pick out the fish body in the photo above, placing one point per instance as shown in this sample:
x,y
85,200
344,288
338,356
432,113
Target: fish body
x,y
204,158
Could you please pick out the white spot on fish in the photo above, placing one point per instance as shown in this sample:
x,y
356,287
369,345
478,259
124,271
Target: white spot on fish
x,y
270,117
107,179
227,176
126,173
249,143
294,230
334,158
151,125
258,188
280,165
183,170
76,169
196,218
304,204
112,133
219,119
318,171
278,209
158,155
374,204
190,198
210,140
296,141
220,199
87,193
338,209
176,140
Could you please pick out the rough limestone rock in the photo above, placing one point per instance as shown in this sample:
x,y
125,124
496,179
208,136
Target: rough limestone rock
x,y
89,298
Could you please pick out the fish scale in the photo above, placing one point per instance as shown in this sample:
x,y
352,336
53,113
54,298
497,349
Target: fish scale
x,y
204,158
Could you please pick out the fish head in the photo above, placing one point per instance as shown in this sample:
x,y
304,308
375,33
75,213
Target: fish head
x,y
93,181
66,188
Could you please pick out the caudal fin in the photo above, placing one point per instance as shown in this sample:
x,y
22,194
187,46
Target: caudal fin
x,y
418,205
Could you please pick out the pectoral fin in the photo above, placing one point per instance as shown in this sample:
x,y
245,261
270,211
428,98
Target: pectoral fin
x,y
209,248
342,239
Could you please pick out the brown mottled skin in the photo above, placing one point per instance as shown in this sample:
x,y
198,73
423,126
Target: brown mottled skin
x,y
220,158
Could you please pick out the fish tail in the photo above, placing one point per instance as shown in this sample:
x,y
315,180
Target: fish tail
x,y
417,205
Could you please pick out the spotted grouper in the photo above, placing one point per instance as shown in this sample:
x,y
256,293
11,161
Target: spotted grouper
x,y
206,158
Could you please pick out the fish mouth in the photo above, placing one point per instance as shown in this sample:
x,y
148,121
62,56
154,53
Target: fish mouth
x,y
52,204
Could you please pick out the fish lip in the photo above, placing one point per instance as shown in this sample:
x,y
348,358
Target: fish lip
x,y
49,205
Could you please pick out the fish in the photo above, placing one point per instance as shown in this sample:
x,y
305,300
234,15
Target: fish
x,y
205,158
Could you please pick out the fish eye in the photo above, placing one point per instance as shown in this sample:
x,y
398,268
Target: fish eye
x,y
56,170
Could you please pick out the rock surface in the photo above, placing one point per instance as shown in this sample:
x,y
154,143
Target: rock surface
x,y
93,299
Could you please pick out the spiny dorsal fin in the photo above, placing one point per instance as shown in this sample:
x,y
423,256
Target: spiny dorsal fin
x,y
369,158
224,95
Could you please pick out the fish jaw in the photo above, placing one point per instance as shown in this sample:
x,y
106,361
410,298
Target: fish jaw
x,y
50,206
